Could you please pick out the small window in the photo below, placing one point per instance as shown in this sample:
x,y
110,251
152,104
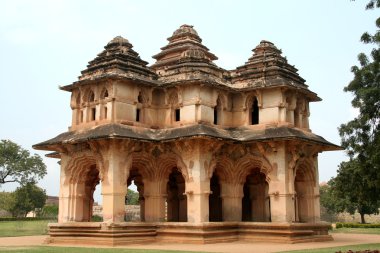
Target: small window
x,y
177,115
105,112
91,97
139,98
137,115
215,116
93,113
105,95
255,112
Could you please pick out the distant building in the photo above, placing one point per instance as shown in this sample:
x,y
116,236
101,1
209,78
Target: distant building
x,y
52,200
202,144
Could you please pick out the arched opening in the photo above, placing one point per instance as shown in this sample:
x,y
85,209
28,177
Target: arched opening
x,y
215,201
177,115
93,114
255,112
91,96
134,200
139,105
140,98
84,184
92,180
105,111
256,201
218,112
175,110
77,100
304,198
104,94
176,199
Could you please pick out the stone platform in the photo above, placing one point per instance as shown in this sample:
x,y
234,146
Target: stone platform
x,y
98,233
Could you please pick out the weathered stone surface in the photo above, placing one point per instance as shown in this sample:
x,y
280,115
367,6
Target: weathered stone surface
x,y
215,155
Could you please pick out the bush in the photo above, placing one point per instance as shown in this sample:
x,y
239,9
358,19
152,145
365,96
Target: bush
x,y
356,225
49,211
96,218
23,218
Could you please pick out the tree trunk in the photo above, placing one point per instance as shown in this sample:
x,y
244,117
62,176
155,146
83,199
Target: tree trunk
x,y
362,218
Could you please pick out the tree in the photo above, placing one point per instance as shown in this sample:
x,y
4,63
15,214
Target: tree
x,y
17,165
354,194
358,180
50,211
7,201
132,197
27,198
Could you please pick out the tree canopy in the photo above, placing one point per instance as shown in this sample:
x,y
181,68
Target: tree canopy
x,y
132,197
24,199
358,180
17,165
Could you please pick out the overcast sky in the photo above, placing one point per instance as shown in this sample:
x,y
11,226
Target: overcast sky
x,y
44,44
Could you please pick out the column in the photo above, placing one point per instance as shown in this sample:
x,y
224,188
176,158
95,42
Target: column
x,y
197,200
281,191
232,195
114,184
155,196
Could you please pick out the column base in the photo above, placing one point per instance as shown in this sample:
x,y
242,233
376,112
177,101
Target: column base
x,y
124,233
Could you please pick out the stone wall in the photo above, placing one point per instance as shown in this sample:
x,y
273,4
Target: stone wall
x,y
132,212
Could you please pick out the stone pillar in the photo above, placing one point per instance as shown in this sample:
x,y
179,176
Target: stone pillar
x,y
114,184
197,154
64,194
281,190
317,204
155,196
197,201
232,194
78,199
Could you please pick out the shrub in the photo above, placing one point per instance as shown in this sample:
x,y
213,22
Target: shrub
x,y
96,218
23,218
356,225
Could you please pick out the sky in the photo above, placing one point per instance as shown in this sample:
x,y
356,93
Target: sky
x,y
45,44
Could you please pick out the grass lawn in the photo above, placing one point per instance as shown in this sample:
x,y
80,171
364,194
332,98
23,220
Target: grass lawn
x,y
357,230
22,228
342,248
82,250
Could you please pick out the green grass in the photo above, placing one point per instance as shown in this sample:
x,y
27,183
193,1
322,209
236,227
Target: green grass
x,y
22,228
81,250
357,230
342,248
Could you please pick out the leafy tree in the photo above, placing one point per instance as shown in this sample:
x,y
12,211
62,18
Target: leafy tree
x,y
358,180
50,211
132,197
17,165
352,193
7,201
27,198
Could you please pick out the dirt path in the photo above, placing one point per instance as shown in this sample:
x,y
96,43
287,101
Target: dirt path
x,y
257,247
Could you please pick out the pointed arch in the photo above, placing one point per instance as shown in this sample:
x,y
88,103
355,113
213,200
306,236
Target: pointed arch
x,y
248,162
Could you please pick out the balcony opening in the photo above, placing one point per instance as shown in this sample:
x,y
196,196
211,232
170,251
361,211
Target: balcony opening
x,y
137,115
177,115
93,114
255,112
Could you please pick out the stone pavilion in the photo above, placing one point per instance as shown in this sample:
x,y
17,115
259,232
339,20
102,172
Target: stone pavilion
x,y
217,155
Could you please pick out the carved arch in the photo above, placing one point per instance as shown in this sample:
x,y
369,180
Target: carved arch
x,y
244,165
79,162
306,168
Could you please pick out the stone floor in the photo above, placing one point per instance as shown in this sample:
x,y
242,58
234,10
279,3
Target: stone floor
x,y
257,247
